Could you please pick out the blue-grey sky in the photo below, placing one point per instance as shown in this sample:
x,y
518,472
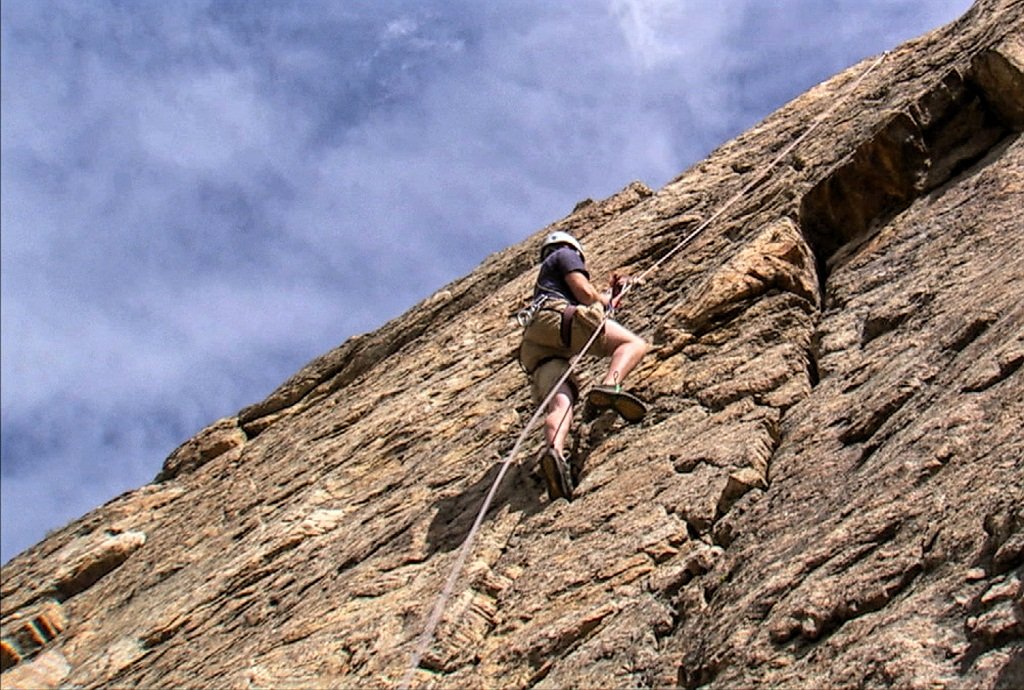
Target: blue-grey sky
x,y
197,197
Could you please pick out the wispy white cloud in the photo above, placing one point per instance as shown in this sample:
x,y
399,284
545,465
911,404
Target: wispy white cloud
x,y
199,197
668,32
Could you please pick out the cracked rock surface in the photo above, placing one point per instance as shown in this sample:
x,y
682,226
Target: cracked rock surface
x,y
828,490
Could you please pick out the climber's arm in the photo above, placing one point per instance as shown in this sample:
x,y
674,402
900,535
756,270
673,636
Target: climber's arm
x,y
584,290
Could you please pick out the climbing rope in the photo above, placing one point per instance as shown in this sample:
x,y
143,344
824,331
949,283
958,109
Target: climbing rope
x,y
435,615
427,636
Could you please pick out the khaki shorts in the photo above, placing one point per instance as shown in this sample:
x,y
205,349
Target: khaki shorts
x,y
545,356
545,376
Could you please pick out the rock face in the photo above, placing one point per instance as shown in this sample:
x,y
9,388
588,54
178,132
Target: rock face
x,y
827,492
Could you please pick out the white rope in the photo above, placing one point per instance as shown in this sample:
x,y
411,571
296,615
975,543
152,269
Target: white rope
x,y
764,173
438,610
435,615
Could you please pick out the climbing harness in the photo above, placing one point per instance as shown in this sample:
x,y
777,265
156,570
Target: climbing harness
x,y
434,619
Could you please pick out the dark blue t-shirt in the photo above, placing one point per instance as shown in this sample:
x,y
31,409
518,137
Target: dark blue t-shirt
x,y
553,271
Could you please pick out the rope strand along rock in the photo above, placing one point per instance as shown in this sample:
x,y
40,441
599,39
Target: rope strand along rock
x,y
438,609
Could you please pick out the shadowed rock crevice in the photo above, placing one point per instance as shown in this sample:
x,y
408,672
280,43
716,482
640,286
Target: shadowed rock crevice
x,y
30,631
996,612
892,228
945,131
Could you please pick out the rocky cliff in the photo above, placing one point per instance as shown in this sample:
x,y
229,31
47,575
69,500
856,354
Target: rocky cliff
x,y
827,492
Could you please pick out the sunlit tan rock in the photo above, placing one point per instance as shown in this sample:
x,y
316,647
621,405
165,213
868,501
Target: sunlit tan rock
x,y
826,492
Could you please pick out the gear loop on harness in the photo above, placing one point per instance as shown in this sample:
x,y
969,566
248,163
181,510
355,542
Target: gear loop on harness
x,y
524,317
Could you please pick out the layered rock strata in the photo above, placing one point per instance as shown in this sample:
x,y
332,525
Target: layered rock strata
x,y
827,491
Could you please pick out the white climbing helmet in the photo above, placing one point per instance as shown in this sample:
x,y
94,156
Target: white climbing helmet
x,y
557,238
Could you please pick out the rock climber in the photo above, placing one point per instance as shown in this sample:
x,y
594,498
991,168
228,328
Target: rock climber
x,y
565,312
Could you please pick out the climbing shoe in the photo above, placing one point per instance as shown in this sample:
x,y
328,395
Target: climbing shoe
x,y
627,405
557,475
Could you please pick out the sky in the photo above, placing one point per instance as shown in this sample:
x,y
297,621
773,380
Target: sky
x,y
198,197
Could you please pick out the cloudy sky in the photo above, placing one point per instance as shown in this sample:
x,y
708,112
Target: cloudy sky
x,y
200,196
